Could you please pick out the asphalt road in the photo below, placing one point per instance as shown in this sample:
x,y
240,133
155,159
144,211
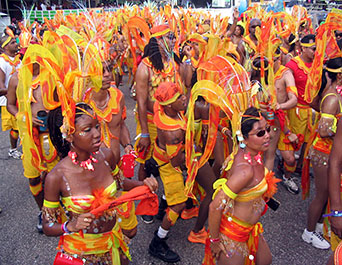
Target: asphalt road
x,y
20,243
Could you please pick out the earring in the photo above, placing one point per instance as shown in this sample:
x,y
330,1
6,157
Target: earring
x,y
240,139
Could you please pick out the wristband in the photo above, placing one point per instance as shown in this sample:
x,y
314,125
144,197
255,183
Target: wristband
x,y
214,240
333,214
128,145
64,228
145,135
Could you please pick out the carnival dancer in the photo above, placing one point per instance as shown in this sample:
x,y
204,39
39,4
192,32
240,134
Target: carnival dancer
x,y
301,116
239,201
159,64
334,185
169,154
9,64
86,178
39,103
286,92
330,113
251,43
39,136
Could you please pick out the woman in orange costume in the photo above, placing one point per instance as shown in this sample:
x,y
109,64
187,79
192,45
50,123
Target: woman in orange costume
x,y
239,201
84,179
330,113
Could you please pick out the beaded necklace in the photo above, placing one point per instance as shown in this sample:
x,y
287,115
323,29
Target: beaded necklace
x,y
257,158
87,164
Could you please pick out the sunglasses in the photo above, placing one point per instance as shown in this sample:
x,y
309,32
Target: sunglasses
x,y
261,133
253,27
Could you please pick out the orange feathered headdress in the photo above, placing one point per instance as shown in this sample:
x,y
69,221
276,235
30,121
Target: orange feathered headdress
x,y
11,36
160,30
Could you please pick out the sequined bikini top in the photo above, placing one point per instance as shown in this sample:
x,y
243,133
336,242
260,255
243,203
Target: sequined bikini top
x,y
84,203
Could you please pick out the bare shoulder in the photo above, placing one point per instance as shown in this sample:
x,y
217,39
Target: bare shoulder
x,y
142,70
242,170
330,104
55,176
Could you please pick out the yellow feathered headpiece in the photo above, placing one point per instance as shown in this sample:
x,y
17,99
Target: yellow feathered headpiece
x,y
326,47
224,84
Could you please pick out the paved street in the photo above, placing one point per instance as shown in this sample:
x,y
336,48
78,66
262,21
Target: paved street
x,y
20,244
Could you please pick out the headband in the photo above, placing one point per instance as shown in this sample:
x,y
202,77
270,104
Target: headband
x,y
308,45
284,50
250,117
332,70
6,42
259,68
167,93
84,112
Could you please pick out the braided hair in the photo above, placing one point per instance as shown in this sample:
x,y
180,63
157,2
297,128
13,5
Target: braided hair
x,y
152,51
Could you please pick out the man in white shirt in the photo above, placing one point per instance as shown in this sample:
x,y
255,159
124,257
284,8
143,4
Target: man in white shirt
x,y
9,63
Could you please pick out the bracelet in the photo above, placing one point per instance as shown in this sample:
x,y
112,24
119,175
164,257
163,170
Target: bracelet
x,y
333,214
128,145
288,133
145,135
214,240
64,228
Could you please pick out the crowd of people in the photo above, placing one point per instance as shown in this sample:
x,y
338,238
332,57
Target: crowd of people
x,y
216,102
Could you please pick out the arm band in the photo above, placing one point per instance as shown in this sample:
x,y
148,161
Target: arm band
x,y
115,170
221,184
330,116
292,89
50,204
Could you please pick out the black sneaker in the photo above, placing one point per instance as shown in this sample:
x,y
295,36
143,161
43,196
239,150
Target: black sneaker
x,y
147,219
40,223
159,249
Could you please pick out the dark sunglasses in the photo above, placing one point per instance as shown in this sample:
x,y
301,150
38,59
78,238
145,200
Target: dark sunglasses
x,y
261,133
253,27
